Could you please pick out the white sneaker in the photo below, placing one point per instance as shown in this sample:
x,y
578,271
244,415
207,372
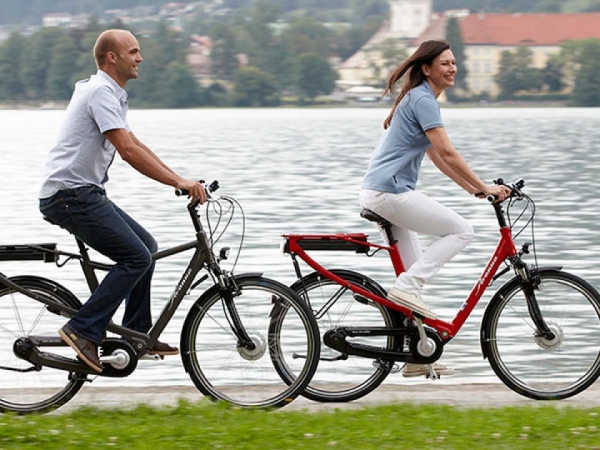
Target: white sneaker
x,y
418,370
410,301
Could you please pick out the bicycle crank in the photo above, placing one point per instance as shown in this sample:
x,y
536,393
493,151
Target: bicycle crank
x,y
118,357
417,353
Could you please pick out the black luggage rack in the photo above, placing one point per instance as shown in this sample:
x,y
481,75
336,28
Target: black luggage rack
x,y
29,252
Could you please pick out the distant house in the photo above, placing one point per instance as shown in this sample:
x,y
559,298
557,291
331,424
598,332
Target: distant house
x,y
65,20
198,56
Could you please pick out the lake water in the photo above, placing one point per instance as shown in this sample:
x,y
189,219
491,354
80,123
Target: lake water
x,y
299,170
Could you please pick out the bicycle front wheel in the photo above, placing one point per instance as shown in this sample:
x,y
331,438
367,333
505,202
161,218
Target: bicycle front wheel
x,y
222,369
531,365
341,377
25,388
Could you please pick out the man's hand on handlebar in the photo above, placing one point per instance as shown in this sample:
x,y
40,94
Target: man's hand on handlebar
x,y
194,189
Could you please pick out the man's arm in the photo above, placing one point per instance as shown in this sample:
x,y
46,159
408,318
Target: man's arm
x,y
150,152
145,161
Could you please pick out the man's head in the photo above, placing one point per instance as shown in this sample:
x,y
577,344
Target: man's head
x,y
117,53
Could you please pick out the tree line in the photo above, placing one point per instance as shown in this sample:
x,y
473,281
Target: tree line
x,y
575,69
286,64
516,6
32,11
290,62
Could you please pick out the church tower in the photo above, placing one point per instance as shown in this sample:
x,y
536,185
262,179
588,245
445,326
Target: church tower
x,y
409,18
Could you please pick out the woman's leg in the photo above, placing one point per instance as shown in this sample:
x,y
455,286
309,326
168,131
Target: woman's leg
x,y
414,213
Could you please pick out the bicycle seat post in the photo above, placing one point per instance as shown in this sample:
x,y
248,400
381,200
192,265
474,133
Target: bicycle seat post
x,y
88,271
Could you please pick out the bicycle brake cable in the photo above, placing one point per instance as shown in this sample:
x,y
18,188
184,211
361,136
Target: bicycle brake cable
x,y
230,212
531,221
233,201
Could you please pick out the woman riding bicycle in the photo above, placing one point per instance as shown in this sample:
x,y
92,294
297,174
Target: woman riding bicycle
x,y
412,129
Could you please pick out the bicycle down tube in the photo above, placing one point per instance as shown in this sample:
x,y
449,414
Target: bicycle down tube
x,y
504,249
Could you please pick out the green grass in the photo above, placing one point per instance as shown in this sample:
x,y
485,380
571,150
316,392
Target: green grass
x,y
214,426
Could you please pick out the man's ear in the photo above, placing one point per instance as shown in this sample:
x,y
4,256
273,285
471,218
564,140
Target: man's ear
x,y
111,57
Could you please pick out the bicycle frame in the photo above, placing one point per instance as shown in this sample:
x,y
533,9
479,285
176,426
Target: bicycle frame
x,y
297,245
202,257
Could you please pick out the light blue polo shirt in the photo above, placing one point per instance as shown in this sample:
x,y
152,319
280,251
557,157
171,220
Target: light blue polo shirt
x,y
395,163
82,154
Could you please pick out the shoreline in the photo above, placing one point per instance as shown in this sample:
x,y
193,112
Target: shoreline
x,y
469,396
61,105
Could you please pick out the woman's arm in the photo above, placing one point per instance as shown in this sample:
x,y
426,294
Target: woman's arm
x,y
446,158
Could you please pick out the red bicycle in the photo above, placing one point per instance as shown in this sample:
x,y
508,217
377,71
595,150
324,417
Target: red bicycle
x,y
534,332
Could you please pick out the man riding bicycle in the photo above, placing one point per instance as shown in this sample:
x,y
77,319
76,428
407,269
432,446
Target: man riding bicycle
x,y
72,195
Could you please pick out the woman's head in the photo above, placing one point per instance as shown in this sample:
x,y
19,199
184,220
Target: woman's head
x,y
422,65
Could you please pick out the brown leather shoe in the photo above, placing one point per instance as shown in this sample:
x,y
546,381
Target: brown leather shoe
x,y
85,349
160,348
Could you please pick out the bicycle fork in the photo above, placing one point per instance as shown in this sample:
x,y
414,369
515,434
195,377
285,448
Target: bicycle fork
x,y
228,290
530,282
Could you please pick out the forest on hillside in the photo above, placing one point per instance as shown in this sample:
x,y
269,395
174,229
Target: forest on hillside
x,y
32,11
288,64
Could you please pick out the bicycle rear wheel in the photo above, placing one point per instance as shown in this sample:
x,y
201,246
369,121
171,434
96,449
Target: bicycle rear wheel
x,y
341,377
223,370
25,388
539,368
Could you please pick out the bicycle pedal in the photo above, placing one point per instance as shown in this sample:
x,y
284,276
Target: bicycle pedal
x,y
432,375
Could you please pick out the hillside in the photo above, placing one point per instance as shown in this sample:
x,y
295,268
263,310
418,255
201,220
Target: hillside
x,y
17,12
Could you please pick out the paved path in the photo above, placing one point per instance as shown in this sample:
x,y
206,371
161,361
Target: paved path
x,y
461,395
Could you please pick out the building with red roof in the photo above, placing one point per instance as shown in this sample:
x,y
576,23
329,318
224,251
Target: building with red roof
x,y
485,37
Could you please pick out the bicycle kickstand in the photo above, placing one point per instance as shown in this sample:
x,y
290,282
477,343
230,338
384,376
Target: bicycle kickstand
x,y
424,347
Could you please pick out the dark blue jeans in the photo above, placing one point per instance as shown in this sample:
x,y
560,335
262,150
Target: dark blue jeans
x,y
87,213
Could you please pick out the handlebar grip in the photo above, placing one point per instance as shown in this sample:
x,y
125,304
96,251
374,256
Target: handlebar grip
x,y
489,198
210,189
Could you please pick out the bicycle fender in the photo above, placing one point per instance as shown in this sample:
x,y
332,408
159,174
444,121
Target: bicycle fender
x,y
247,275
498,296
74,302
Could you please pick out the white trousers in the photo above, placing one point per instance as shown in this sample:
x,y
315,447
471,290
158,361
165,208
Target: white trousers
x,y
411,213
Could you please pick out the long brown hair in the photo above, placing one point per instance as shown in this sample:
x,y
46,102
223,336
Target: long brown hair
x,y
425,54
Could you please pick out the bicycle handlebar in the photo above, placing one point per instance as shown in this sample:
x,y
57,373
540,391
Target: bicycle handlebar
x,y
212,187
515,189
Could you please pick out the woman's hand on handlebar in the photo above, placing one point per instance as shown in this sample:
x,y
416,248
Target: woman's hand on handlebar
x,y
497,191
194,189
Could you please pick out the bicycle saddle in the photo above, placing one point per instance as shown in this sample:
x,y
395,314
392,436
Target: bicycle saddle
x,y
374,217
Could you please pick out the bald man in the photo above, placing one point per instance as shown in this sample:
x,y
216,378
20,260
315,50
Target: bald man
x,y
94,130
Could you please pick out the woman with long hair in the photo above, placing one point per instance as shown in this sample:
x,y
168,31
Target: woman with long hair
x,y
412,129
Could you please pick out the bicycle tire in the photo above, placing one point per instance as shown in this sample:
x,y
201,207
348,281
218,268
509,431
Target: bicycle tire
x,y
25,388
344,378
533,366
223,371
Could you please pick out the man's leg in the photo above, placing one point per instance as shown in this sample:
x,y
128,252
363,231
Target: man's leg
x,y
137,314
90,215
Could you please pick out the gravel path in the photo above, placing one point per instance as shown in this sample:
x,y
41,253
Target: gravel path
x,y
460,395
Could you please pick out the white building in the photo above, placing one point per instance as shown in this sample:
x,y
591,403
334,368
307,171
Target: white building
x,y
409,19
